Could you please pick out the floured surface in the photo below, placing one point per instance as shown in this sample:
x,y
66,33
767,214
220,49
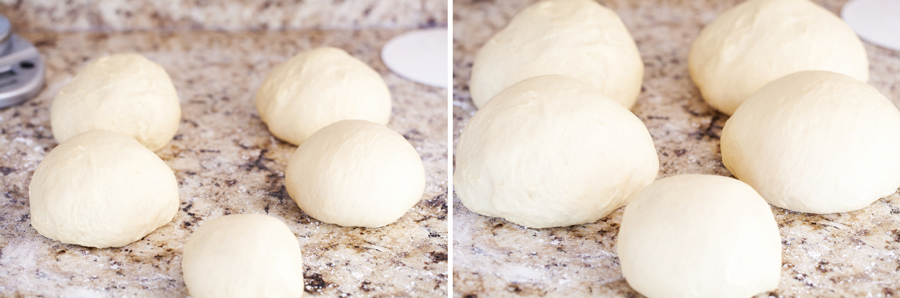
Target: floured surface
x,y
226,162
854,254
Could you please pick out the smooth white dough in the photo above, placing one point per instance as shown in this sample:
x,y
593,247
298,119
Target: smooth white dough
x,y
101,189
551,151
355,173
699,236
317,88
576,38
759,41
243,255
815,141
125,93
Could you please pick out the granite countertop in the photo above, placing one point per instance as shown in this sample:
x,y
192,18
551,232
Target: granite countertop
x,y
853,254
226,162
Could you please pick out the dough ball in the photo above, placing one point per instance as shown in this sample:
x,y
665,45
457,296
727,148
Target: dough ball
x,y
124,93
101,189
317,88
699,236
355,173
576,38
761,40
551,151
815,141
243,255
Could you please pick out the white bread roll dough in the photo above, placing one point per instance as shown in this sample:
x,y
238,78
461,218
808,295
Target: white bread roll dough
x,y
699,236
815,141
317,88
576,38
355,173
124,93
243,255
551,151
761,40
101,189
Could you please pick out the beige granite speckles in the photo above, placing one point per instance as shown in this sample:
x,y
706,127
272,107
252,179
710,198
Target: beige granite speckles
x,y
853,254
119,15
226,162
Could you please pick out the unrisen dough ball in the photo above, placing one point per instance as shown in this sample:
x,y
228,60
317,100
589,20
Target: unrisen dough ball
x,y
761,40
125,93
699,236
815,141
551,151
317,88
244,255
101,189
576,38
355,173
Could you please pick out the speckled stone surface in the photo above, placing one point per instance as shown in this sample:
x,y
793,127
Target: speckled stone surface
x,y
226,162
853,254
181,15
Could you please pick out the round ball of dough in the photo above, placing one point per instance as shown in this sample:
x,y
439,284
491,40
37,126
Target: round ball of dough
x,y
243,255
124,93
317,88
355,173
815,141
551,151
759,41
577,38
699,236
101,189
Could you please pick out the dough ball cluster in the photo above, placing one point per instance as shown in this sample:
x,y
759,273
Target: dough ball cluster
x,y
699,236
580,39
552,151
101,189
124,93
243,255
816,141
759,41
355,173
317,88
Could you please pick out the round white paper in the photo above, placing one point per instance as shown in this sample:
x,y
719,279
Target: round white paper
x,y
419,56
875,21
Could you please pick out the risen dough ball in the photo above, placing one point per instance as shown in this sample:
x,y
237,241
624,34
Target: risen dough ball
x,y
576,38
355,173
124,93
699,236
243,255
551,151
815,141
761,40
101,189
317,88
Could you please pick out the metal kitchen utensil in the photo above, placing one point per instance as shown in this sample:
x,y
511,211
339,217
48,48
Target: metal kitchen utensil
x,y
21,67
